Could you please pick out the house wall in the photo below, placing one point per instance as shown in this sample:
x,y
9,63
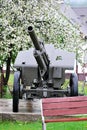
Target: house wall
x,y
81,76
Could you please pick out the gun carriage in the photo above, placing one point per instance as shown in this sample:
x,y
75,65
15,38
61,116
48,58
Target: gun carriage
x,y
41,72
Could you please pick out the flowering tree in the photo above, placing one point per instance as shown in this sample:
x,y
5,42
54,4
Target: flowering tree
x,y
44,16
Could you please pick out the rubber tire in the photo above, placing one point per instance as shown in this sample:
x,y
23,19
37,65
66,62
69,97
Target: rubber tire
x,y
73,84
16,88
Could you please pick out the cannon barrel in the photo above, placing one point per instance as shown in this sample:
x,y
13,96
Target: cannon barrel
x,y
40,61
37,45
34,38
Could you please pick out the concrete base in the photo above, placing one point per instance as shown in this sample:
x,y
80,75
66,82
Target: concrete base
x,y
29,110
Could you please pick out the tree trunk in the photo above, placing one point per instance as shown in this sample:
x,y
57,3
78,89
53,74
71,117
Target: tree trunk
x,y
8,64
1,81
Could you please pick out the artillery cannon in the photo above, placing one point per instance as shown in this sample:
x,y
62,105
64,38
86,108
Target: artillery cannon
x,y
41,72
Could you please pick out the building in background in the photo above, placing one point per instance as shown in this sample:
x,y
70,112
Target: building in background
x,y
76,13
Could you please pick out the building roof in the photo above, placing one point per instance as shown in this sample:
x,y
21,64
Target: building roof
x,y
76,12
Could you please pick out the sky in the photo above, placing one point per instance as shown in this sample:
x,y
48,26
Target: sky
x,y
77,3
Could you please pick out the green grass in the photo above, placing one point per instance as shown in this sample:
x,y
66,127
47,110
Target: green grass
x,y
9,88
11,78
8,125
67,126
82,87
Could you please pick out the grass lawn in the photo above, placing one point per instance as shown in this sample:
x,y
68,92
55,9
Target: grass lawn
x,y
8,125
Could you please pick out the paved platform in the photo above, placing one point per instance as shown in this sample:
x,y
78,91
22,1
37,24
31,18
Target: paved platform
x,y
29,110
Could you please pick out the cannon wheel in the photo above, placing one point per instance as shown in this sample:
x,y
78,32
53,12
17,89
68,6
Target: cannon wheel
x,y
73,85
16,89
